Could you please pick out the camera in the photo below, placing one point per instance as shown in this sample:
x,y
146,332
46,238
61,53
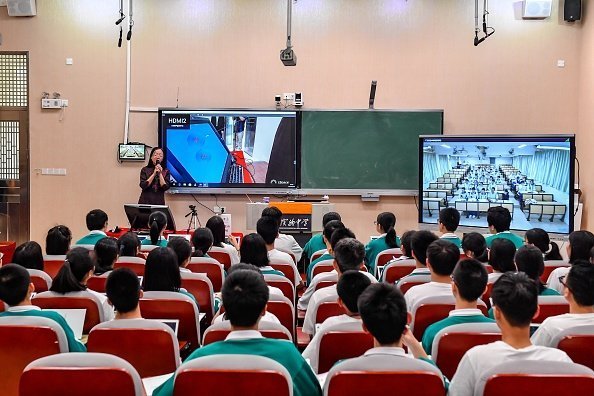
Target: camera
x,y
192,207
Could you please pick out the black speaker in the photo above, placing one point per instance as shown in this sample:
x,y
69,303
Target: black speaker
x,y
572,11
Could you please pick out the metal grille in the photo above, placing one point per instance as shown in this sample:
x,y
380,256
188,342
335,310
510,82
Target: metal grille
x,y
13,80
9,150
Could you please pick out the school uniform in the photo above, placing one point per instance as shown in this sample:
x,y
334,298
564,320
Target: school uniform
x,y
451,237
493,276
309,270
553,281
315,243
268,317
515,239
91,238
251,342
549,292
416,293
233,253
287,243
162,242
276,256
554,325
478,360
31,310
375,247
268,270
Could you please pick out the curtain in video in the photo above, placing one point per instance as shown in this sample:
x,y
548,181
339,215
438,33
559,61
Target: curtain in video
x,y
434,166
550,167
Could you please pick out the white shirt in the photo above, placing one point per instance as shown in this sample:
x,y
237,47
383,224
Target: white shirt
x,y
555,324
492,277
232,252
275,291
478,360
331,276
553,281
268,317
243,335
287,243
312,352
327,293
276,256
23,308
415,293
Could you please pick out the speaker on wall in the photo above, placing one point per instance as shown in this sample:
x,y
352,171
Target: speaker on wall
x,y
537,9
21,7
572,11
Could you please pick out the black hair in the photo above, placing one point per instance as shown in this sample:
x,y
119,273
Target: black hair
x,y
330,227
274,212
340,234
28,255
470,277
161,272
57,241
123,289
350,286
129,244
78,263
499,217
450,218
96,219
243,266
540,238
329,217
516,296
581,242
150,162
245,294
476,244
405,243
181,247
443,256
349,254
202,241
157,223
106,253
253,250
529,260
383,310
217,226
501,255
14,284
580,280
419,242
387,222
267,227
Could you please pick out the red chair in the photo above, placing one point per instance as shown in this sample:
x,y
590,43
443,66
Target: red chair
x,y
8,248
550,266
283,309
289,270
578,343
323,284
550,306
383,258
136,264
487,295
221,255
40,280
200,287
350,383
211,268
219,331
80,374
75,300
328,309
321,267
52,264
97,282
407,282
149,346
340,342
397,270
317,255
282,283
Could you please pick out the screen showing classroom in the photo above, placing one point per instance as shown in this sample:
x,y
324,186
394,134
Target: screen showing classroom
x,y
531,176
229,149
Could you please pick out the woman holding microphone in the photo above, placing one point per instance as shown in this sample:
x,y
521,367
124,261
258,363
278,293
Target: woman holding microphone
x,y
154,180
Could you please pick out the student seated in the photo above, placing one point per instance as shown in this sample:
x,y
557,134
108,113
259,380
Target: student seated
x,y
202,241
157,224
253,251
501,258
245,296
442,257
329,229
105,255
449,218
384,224
349,287
123,293
29,255
267,228
578,248
515,298
217,226
540,238
129,245
57,240
578,290
469,282
283,242
73,276
15,291
474,246
529,260
317,241
419,241
161,272
183,251
499,221
97,225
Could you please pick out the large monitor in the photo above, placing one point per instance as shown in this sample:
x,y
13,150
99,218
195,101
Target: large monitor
x,y
138,215
532,176
229,150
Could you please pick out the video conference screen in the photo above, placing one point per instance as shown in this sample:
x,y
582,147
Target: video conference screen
x,y
531,176
229,149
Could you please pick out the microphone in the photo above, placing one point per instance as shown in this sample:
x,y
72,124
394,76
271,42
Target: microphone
x,y
129,36
158,163
120,39
120,20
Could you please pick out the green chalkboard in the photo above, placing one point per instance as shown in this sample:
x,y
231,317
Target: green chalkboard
x,y
364,150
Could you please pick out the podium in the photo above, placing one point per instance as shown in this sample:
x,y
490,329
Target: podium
x,y
298,217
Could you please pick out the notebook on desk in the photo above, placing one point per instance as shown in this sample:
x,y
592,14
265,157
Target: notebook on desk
x,y
75,319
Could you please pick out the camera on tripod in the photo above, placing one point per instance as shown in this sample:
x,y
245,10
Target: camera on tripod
x,y
192,208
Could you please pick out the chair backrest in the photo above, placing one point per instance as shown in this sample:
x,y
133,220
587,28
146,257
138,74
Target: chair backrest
x,y
7,248
328,309
452,342
136,264
408,282
322,266
486,297
578,343
397,270
288,269
41,280
201,288
173,305
342,341
88,246
221,255
326,283
219,331
429,310
97,282
231,375
550,306
283,309
52,265
211,268
281,282
75,300
386,255
148,248
316,255
22,340
149,346
550,266
88,374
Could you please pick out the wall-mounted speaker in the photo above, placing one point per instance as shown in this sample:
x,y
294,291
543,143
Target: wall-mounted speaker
x,y
537,9
21,7
572,11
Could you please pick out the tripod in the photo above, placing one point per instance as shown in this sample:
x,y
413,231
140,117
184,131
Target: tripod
x,y
193,218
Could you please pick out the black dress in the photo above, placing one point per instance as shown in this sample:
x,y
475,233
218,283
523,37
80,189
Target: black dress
x,y
154,193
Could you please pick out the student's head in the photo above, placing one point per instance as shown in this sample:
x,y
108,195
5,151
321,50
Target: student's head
x,y
386,221
15,284
267,227
182,249
273,212
74,273
157,223
470,280
253,250
529,260
419,242
216,225
349,287
129,244
96,220
540,238
383,311
515,297
106,253
245,295
123,290
329,229
580,244
161,272
29,255
449,218
329,217
57,241
340,234
442,257
498,219
202,240
349,254
501,255
579,283
474,246
155,156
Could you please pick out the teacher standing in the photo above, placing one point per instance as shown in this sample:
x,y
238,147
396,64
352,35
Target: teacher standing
x,y
154,180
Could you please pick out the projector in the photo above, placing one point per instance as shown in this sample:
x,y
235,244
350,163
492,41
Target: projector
x,y
287,56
